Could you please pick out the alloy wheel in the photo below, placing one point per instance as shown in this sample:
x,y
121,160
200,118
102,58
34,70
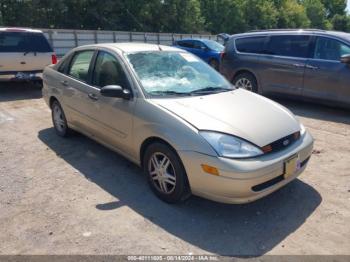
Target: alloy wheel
x,y
244,83
162,173
58,118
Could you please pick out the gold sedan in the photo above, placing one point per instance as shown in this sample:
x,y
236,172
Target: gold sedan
x,y
167,111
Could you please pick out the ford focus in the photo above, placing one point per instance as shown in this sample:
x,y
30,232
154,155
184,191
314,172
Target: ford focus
x,y
176,117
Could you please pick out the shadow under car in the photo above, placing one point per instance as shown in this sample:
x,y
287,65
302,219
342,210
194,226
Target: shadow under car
x,y
240,230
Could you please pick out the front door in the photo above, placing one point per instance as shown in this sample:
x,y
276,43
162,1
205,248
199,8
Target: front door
x,y
325,76
113,117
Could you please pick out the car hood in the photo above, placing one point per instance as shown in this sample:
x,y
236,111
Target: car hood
x,y
240,113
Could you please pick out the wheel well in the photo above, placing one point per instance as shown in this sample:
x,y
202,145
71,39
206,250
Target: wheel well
x,y
52,99
242,72
152,140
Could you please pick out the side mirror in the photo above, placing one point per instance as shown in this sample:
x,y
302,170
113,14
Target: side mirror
x,y
345,59
115,91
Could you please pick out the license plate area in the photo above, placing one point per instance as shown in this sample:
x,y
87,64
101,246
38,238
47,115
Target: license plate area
x,y
291,165
24,76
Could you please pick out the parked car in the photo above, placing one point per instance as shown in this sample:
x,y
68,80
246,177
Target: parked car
x,y
208,50
224,37
309,64
24,54
168,111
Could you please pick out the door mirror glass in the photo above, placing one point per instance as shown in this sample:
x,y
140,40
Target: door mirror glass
x,y
115,91
345,59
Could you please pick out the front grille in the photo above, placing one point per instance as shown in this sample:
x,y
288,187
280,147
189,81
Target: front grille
x,y
282,143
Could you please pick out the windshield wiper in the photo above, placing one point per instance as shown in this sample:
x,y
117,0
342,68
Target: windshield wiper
x,y
210,90
168,92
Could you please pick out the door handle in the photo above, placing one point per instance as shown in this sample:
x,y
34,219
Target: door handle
x,y
312,67
93,96
64,83
298,65
23,63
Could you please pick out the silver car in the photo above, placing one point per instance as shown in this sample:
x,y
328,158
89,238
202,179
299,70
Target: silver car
x,y
169,112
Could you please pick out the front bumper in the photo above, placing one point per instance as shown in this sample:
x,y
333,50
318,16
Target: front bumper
x,y
244,180
21,75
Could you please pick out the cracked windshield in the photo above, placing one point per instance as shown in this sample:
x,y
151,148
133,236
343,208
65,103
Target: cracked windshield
x,y
176,73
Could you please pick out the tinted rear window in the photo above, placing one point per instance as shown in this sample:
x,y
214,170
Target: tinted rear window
x,y
251,44
11,42
289,45
188,44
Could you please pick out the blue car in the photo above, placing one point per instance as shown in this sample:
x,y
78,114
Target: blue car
x,y
208,50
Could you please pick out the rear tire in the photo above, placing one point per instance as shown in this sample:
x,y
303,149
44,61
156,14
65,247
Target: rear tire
x,y
59,120
166,174
246,81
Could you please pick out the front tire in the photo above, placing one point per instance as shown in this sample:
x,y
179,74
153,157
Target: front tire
x,y
166,174
246,81
59,120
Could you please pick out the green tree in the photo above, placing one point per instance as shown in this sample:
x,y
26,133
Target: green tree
x,y
335,7
341,23
317,14
223,16
260,14
292,14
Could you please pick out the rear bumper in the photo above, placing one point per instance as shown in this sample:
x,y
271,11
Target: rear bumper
x,y
21,75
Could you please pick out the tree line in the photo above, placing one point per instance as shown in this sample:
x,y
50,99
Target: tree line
x,y
177,16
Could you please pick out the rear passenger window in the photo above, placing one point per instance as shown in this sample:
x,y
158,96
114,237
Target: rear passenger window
x,y
80,64
289,45
187,44
64,65
251,44
330,49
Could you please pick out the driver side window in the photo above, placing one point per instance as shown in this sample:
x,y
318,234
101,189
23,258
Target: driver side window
x,y
108,71
330,49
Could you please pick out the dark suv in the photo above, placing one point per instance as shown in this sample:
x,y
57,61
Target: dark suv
x,y
312,64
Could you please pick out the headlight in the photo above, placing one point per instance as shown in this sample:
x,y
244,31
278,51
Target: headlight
x,y
230,146
302,129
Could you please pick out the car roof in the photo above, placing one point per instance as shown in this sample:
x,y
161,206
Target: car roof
x,y
195,39
132,47
338,34
19,30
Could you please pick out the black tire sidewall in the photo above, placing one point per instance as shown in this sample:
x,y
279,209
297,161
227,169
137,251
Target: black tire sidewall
x,y
182,190
250,77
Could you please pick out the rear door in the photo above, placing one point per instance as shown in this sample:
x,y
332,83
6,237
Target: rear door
x,y
76,91
283,65
325,76
24,51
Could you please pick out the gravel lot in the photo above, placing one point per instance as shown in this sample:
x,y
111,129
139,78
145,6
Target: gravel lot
x,y
73,196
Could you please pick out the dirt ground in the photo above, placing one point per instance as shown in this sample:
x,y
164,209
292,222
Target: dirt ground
x,y
73,196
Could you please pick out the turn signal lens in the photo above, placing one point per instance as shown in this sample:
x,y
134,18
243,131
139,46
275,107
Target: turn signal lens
x,y
210,170
267,149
